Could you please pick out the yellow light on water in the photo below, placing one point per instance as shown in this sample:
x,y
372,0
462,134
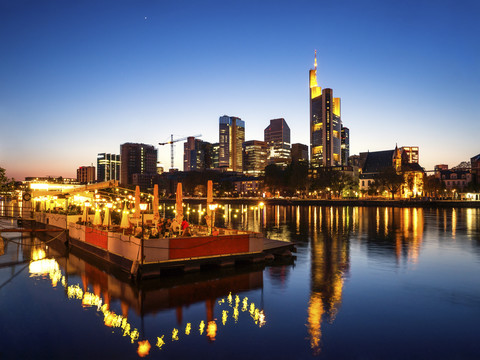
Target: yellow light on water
x,y
212,330
38,254
245,304
42,267
160,342
143,348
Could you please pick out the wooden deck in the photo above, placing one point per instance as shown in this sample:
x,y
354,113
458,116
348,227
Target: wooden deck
x,y
22,230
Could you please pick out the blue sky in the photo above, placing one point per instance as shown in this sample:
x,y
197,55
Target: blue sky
x,y
79,78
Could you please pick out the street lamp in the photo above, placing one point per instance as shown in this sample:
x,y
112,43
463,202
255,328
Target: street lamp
x,y
143,207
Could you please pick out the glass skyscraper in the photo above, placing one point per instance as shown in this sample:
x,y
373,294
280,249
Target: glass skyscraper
x,y
108,167
231,138
325,124
277,137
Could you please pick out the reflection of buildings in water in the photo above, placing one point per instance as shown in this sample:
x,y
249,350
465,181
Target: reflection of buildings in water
x,y
278,275
100,289
392,230
330,265
466,221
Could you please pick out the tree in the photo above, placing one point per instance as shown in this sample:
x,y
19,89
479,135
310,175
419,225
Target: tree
x,y
274,178
374,187
391,181
297,177
6,185
432,185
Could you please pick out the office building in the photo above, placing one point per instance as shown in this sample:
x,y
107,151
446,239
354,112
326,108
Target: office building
x,y
299,153
475,168
277,138
215,154
345,145
86,174
411,153
108,167
231,138
325,124
254,157
197,155
137,159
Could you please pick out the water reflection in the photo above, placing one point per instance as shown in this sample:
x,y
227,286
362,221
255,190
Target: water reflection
x,y
101,291
392,231
332,242
330,262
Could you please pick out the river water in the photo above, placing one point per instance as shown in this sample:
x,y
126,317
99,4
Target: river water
x,y
367,283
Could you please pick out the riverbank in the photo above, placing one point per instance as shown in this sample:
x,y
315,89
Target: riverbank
x,y
431,203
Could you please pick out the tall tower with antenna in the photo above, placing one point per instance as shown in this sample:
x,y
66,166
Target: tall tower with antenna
x,y
325,124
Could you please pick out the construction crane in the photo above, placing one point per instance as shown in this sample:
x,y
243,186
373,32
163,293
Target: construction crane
x,y
171,142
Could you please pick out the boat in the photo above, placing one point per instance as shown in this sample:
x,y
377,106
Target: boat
x,y
146,256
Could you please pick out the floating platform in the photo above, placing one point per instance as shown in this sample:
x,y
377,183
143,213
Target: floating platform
x,y
164,255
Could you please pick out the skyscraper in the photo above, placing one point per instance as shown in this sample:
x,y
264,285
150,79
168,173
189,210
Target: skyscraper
x,y
231,138
325,124
345,145
108,167
300,153
197,154
86,174
138,159
277,138
254,157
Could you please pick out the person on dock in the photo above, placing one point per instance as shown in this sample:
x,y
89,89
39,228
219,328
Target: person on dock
x,y
186,231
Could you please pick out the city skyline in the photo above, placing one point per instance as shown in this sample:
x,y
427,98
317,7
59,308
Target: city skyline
x,y
81,79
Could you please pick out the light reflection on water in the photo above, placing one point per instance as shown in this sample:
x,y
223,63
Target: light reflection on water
x,y
367,282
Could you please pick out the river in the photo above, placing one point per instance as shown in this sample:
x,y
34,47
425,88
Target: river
x,y
366,283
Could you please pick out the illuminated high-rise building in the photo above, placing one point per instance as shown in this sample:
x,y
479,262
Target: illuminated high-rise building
x,y
254,157
277,138
197,154
86,174
325,124
345,145
300,153
215,151
231,138
108,167
139,160
411,153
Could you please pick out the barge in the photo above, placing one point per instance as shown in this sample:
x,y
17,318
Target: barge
x,y
162,255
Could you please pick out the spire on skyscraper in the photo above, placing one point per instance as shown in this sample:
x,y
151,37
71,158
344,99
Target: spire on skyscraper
x,y
315,60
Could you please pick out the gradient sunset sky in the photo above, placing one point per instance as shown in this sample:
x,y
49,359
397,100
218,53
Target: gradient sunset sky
x,y
79,78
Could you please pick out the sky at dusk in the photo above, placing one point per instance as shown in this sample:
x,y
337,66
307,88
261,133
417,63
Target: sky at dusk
x,y
78,78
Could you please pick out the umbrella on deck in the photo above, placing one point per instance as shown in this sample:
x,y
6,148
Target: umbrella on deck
x,y
156,215
97,220
209,192
125,224
85,214
179,203
106,219
136,215
210,214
